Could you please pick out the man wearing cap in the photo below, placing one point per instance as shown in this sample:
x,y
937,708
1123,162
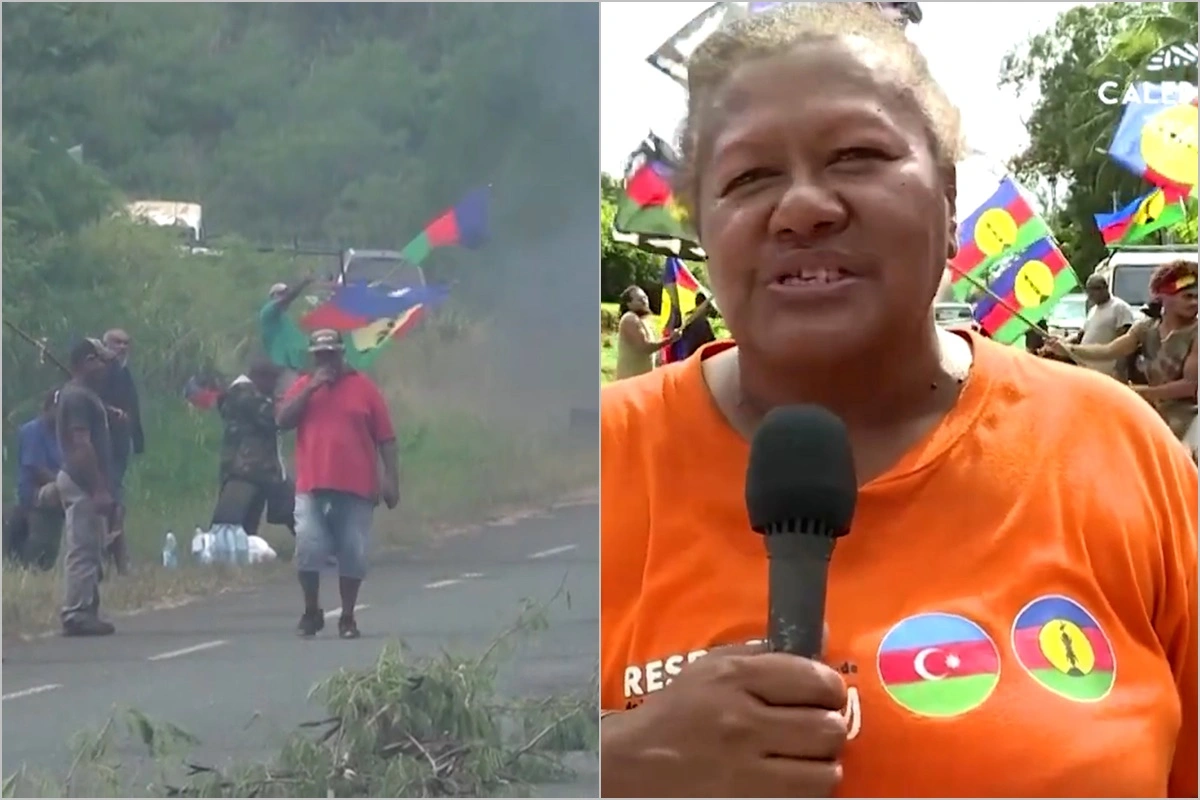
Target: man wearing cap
x,y
85,485
343,434
286,344
1108,318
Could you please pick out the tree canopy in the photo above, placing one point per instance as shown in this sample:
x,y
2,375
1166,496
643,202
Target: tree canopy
x,y
344,124
1070,127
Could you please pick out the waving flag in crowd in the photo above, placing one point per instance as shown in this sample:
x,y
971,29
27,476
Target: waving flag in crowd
x,y
678,300
1139,219
201,393
357,305
1158,142
648,216
671,57
1005,224
373,315
464,225
1026,290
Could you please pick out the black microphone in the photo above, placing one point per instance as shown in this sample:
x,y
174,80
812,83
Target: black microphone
x,y
800,494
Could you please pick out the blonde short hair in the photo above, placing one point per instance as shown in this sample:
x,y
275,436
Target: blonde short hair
x,y
776,32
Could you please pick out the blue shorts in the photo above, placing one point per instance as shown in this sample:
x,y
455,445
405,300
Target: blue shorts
x,y
333,524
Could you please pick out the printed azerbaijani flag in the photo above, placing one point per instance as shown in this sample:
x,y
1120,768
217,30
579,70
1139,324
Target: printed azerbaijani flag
x,y
1158,143
938,665
1031,283
648,216
1140,218
464,225
678,300
1004,224
1064,649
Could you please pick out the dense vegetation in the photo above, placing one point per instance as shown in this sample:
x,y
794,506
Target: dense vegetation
x,y
1070,127
332,124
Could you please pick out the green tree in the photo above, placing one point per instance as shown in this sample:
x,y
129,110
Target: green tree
x,y
621,264
340,124
1070,128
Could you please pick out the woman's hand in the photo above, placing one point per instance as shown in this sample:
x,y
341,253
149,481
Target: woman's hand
x,y
731,725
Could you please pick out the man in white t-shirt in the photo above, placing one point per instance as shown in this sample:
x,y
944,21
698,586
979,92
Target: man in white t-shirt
x,y
1108,318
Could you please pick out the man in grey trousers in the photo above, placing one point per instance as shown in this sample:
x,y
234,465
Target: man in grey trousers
x,y
86,487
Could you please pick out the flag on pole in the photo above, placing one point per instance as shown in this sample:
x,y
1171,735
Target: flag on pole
x,y
464,225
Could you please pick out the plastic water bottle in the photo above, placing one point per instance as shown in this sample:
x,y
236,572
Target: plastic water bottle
x,y
241,545
170,553
223,546
202,546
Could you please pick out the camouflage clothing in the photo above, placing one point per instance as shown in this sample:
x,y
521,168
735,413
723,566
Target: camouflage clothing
x,y
1161,359
250,445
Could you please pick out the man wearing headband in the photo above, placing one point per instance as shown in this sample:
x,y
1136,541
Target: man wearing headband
x,y
1165,349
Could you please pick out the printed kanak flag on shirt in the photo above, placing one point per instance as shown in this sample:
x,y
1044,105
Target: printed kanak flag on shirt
x,y
1026,291
1003,225
464,225
678,300
1139,219
1158,142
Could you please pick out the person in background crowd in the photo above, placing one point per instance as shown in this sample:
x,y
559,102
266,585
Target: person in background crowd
x,y
1035,343
818,164
343,433
697,330
286,344
251,471
1165,349
1108,318
637,343
85,484
120,394
40,458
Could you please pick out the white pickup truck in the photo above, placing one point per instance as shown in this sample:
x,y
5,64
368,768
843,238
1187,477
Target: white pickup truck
x,y
1128,269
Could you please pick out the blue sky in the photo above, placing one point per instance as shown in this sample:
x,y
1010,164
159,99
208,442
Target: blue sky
x,y
964,42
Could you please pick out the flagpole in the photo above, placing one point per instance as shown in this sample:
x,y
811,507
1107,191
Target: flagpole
x,y
988,290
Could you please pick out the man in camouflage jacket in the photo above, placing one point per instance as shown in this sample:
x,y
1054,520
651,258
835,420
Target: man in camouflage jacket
x,y
251,471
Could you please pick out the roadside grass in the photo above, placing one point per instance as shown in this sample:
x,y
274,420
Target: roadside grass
x,y
608,339
410,726
466,454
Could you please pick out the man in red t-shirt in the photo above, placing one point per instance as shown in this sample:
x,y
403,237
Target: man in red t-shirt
x,y
343,433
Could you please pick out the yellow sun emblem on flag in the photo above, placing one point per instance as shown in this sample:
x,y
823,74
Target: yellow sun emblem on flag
x,y
677,211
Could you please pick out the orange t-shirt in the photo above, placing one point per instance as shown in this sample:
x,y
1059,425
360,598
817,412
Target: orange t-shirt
x,y
1013,617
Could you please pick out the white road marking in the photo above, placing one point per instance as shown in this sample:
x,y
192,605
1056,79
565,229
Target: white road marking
x,y
187,651
337,611
443,584
32,691
553,551
469,575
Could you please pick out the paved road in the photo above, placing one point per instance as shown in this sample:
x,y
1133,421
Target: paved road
x,y
211,666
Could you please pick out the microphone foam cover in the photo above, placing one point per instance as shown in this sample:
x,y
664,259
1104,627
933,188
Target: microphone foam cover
x,y
801,468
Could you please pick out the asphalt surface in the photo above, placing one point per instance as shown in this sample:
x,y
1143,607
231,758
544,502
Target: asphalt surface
x,y
231,670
